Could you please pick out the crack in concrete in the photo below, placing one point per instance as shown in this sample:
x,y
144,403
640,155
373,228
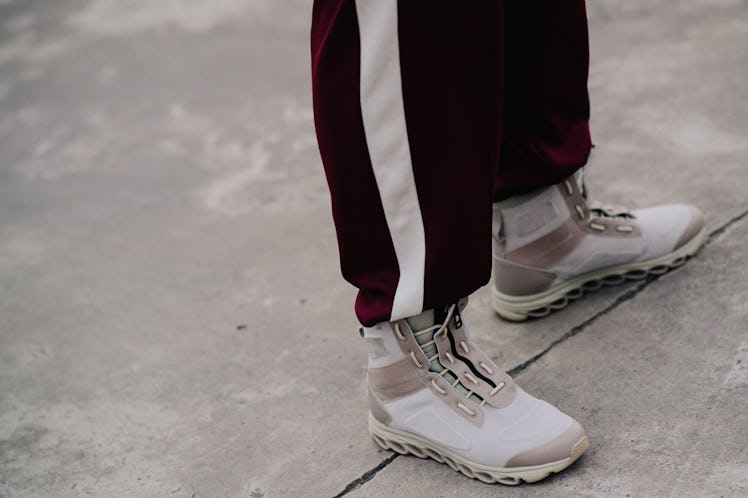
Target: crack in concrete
x,y
622,298
714,234
367,476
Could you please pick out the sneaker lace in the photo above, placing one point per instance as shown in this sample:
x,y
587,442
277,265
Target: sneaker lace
x,y
442,330
599,209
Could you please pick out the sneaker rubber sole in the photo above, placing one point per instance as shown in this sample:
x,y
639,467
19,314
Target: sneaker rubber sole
x,y
408,443
519,308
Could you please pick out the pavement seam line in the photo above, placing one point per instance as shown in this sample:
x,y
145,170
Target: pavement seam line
x,y
622,298
367,476
715,234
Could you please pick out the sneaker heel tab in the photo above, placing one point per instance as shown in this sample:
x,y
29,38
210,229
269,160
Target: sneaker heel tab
x,y
462,303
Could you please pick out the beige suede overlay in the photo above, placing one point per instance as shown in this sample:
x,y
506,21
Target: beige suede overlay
x,y
518,280
555,450
549,249
377,409
397,380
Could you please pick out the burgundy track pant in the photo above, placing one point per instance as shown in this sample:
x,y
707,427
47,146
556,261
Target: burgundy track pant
x,y
427,112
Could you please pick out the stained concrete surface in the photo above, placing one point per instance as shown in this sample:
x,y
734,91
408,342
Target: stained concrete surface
x,y
172,320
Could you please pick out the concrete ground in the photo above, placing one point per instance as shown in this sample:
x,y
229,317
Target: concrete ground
x,y
172,320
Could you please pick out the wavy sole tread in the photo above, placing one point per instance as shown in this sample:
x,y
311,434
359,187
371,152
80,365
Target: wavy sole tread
x,y
520,308
406,443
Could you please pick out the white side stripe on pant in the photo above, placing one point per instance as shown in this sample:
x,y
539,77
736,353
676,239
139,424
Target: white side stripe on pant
x,y
387,138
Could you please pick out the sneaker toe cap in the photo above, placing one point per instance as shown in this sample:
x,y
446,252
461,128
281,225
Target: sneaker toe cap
x,y
694,227
667,228
570,444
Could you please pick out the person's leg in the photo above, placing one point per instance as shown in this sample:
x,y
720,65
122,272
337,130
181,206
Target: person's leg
x,y
407,115
407,109
546,114
550,244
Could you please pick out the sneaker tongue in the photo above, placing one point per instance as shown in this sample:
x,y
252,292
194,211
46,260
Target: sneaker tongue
x,y
596,208
427,319
422,321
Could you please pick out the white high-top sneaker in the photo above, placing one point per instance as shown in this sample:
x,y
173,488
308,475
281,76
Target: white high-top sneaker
x,y
552,246
434,394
